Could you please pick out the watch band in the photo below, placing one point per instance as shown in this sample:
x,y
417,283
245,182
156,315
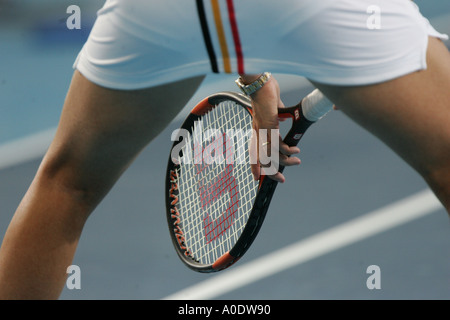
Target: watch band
x,y
249,89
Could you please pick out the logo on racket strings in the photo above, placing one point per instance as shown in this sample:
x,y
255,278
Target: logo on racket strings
x,y
210,192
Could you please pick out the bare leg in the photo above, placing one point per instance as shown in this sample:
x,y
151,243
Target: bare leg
x,y
101,131
410,114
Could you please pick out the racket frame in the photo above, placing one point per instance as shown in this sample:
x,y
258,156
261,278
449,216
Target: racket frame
x,y
266,186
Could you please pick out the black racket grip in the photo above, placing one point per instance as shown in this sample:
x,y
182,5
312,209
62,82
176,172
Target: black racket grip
x,y
303,116
299,124
312,108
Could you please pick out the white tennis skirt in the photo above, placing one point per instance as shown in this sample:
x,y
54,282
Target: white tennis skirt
x,y
136,44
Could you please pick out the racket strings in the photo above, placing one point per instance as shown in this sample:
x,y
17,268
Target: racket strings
x,y
216,195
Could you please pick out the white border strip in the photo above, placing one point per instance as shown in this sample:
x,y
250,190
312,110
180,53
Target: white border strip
x,y
25,149
390,216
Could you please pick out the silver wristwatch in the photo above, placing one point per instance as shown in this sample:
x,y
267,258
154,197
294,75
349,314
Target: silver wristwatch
x,y
249,89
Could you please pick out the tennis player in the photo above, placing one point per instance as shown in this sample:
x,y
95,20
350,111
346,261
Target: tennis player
x,y
145,59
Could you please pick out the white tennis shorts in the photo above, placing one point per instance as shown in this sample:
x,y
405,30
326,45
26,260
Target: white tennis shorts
x,y
139,43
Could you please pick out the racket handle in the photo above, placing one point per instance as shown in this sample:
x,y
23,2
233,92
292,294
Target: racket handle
x,y
311,109
315,105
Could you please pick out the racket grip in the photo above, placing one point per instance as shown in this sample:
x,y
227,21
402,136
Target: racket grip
x,y
315,105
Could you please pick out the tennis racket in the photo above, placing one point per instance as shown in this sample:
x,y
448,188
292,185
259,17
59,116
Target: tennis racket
x,y
215,208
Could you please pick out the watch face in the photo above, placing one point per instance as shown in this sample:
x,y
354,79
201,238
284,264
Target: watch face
x,y
253,87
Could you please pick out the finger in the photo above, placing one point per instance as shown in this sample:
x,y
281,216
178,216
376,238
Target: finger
x,y
256,171
287,150
266,150
289,161
277,177
253,153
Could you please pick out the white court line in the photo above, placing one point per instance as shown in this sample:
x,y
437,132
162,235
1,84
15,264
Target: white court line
x,y
25,149
390,216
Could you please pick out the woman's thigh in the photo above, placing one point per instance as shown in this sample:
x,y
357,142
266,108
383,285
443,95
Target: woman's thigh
x,y
411,114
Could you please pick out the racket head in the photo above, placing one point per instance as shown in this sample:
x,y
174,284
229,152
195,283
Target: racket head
x,y
210,204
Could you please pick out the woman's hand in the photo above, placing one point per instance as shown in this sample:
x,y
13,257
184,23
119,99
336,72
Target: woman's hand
x,y
265,104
